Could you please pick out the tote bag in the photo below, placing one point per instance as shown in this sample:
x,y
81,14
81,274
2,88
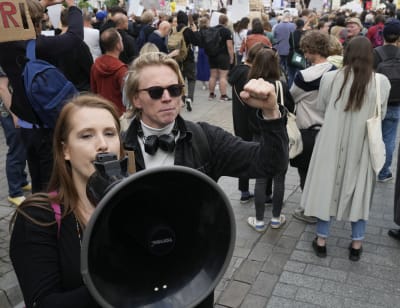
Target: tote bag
x,y
295,140
374,127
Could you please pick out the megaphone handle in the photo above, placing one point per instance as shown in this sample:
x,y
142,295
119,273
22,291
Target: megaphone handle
x,y
131,161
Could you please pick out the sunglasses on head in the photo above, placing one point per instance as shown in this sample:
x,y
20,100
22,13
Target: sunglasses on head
x,y
157,92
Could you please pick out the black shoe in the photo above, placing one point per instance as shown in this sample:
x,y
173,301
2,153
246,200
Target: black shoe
x,y
246,197
320,251
354,254
395,233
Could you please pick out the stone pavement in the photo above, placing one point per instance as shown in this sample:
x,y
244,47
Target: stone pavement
x,y
277,268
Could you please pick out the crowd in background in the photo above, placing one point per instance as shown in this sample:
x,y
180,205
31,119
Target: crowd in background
x,y
321,67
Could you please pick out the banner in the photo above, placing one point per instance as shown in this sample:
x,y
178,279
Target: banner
x,y
15,21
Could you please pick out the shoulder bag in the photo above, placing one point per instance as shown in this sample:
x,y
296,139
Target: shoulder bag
x,y
297,60
295,140
377,149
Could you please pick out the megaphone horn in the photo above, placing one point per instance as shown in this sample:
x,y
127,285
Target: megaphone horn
x,y
162,237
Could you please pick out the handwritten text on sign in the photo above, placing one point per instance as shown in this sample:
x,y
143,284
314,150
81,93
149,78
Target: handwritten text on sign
x,y
15,22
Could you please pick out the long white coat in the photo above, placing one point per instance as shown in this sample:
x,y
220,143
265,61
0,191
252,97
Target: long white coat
x,y
340,179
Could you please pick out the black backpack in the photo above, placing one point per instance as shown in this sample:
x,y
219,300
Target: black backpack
x,y
390,67
211,40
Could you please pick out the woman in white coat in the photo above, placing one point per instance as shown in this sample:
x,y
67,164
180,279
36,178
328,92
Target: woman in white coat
x,y
340,180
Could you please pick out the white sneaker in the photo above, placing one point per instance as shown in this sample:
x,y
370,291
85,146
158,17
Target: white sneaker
x,y
277,222
257,225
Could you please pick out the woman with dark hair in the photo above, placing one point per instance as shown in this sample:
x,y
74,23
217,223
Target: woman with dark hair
x,y
340,180
45,252
257,36
266,65
237,78
239,35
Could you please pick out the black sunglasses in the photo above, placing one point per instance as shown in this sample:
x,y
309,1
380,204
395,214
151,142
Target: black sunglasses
x,y
157,92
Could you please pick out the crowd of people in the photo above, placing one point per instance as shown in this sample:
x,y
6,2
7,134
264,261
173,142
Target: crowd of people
x,y
133,86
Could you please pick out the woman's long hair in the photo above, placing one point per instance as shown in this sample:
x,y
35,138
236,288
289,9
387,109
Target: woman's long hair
x,y
358,61
61,186
265,65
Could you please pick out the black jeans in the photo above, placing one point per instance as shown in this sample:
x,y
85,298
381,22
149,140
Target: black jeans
x,y
263,188
39,154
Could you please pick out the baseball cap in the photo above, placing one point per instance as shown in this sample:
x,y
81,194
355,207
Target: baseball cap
x,y
354,20
100,15
392,27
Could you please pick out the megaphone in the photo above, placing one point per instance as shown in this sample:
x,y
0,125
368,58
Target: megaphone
x,y
162,237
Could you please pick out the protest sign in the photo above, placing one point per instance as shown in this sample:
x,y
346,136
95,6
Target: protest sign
x,y
15,21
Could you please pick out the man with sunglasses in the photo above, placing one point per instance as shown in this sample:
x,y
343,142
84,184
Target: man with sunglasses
x,y
159,136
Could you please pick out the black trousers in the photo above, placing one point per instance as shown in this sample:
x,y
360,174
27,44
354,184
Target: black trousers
x,y
39,154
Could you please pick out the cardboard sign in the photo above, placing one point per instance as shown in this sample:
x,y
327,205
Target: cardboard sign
x,y
15,21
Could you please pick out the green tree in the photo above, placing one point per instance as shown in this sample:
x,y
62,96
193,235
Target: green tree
x,y
110,3
84,4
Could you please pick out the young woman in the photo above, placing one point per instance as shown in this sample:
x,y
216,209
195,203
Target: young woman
x,y
239,35
266,65
256,36
340,180
47,260
237,78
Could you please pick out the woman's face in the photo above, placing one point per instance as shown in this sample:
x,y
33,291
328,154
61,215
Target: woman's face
x,y
93,131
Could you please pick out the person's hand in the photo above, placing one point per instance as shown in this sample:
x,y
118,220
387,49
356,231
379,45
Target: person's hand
x,y
15,120
174,53
260,94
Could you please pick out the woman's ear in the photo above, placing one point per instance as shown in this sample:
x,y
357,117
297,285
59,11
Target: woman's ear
x,y
66,151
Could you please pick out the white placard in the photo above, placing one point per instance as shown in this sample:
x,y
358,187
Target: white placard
x,y
214,21
238,10
316,5
151,4
135,8
54,12
335,4
353,6
277,4
48,32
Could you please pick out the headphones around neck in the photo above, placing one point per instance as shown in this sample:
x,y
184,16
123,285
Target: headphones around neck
x,y
165,142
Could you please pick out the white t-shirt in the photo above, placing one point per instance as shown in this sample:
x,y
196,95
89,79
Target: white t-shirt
x,y
92,38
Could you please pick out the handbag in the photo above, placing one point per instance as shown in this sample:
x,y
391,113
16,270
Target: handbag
x,y
308,135
297,60
377,149
295,140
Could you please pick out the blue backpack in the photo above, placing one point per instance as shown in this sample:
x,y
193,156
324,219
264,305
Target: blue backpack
x,y
46,87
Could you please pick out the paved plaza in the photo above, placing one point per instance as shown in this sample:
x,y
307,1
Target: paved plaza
x,y
277,268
